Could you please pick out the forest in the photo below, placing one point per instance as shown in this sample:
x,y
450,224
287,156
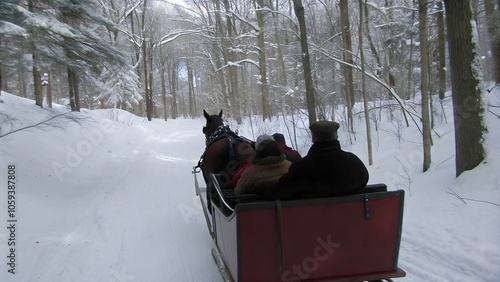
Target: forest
x,y
269,58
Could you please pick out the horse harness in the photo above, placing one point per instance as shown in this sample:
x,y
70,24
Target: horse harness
x,y
219,133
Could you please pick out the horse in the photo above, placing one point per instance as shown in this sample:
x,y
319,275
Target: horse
x,y
225,152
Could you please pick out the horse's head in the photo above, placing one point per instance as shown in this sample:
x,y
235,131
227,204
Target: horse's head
x,y
213,121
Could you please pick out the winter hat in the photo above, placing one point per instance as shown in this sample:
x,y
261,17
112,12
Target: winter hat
x,y
279,137
262,138
268,150
324,130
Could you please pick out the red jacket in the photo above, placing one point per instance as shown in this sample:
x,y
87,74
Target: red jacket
x,y
290,153
234,181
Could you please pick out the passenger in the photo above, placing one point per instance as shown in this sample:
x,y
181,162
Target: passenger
x,y
268,166
326,170
290,153
234,181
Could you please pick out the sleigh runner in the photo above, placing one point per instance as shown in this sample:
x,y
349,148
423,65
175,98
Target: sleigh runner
x,y
349,238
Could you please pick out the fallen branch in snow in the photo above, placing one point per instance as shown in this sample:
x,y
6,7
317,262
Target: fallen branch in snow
x,y
468,199
482,201
407,175
456,195
443,161
498,116
33,125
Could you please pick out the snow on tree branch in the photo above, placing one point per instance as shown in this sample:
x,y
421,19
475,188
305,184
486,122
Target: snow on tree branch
x,y
256,28
131,10
385,85
173,36
279,13
238,64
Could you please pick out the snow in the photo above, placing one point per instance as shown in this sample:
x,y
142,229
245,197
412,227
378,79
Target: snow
x,y
104,195
7,28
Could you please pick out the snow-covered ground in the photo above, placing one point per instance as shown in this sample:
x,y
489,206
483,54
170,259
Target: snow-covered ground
x,y
106,196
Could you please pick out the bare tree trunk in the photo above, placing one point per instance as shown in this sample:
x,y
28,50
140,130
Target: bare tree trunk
x,y
281,62
441,49
163,84
146,81
363,81
150,80
36,72
173,88
310,91
466,86
136,58
164,93
369,37
493,23
410,89
266,105
391,80
219,31
144,47
191,92
424,62
410,71
137,49
233,70
21,85
72,94
59,86
49,90
332,34
195,102
347,57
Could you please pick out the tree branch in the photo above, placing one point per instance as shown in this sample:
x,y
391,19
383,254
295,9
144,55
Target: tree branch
x,y
30,126
463,199
385,85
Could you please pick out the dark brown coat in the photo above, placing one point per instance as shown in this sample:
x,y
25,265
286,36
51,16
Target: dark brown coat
x,y
262,175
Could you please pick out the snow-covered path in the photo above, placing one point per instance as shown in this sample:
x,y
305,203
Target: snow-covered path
x,y
108,203
106,196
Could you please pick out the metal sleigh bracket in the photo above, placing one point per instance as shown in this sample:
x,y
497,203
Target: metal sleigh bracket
x,y
367,208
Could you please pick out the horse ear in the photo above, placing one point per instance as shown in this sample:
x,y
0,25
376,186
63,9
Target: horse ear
x,y
205,114
220,114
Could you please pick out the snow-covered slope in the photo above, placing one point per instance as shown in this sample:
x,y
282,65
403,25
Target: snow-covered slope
x,y
106,196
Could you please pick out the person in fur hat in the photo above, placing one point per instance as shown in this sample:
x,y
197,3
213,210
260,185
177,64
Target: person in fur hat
x,y
236,178
326,171
267,167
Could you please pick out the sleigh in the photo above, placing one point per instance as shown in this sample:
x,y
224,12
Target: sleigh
x,y
349,238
